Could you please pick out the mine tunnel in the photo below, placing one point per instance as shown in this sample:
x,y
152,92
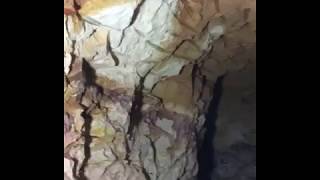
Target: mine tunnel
x,y
159,90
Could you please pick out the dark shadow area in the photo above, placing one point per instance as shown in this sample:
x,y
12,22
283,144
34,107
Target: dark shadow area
x,y
206,150
135,112
74,168
89,74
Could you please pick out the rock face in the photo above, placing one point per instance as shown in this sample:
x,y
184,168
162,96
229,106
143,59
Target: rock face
x,y
235,138
138,77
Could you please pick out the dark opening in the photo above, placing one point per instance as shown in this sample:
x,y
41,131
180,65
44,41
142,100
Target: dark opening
x,y
206,150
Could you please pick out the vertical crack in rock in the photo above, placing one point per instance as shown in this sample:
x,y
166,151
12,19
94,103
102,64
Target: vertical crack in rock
x,y
87,142
133,19
206,150
136,13
135,112
109,50
90,87
89,81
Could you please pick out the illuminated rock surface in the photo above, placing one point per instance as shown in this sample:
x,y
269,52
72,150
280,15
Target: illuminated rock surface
x,y
138,80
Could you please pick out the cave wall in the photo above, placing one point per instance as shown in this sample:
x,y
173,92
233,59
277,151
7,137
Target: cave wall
x,y
235,137
138,78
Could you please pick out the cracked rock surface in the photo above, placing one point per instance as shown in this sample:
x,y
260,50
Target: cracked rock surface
x,y
138,78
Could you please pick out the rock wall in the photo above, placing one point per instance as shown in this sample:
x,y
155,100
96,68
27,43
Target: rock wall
x,y
235,138
138,78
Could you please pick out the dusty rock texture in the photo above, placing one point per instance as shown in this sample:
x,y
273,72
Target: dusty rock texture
x,y
138,78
